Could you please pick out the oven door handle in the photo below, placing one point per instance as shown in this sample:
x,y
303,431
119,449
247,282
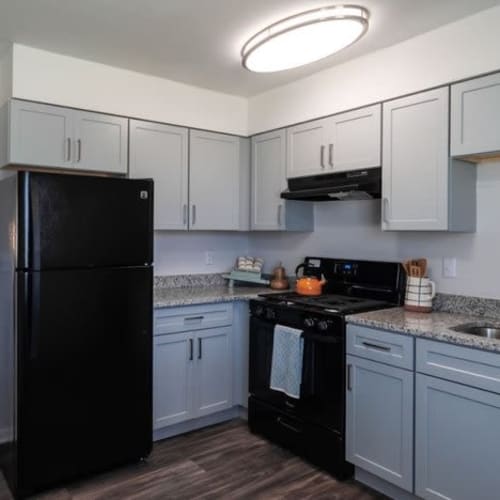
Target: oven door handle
x,y
288,426
321,338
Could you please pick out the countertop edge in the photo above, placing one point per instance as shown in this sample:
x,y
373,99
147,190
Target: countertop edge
x,y
443,334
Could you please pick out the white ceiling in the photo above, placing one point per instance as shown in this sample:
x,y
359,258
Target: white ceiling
x,y
198,41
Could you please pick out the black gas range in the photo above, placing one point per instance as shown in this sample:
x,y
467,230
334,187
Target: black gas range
x,y
313,425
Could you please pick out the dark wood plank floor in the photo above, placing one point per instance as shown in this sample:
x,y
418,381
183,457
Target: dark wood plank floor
x,y
221,462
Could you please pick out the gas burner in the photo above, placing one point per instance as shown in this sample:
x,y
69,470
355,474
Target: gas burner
x,y
330,303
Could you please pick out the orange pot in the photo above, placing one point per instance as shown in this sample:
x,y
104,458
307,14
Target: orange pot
x,y
310,285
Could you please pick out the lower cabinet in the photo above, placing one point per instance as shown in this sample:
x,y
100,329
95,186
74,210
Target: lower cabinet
x,y
193,369
379,420
452,416
457,437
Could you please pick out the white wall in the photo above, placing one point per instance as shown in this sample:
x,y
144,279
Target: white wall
x,y
5,73
459,50
352,230
44,76
178,252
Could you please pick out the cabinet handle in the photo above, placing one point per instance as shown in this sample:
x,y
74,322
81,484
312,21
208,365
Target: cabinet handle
x,y
193,318
68,149
280,207
369,345
349,377
330,155
193,217
184,214
190,349
385,209
322,158
79,148
199,349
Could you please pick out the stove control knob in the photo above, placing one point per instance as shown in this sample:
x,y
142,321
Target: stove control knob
x,y
323,325
270,314
309,322
259,311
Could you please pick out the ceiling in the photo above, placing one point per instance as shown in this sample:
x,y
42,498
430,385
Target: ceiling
x,y
198,41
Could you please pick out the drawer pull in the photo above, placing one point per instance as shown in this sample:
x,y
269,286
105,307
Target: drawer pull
x,y
194,318
369,345
287,426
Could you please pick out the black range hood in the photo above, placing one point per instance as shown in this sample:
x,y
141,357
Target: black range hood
x,y
351,185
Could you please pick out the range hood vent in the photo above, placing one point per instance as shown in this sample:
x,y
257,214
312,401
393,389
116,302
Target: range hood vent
x,y
352,185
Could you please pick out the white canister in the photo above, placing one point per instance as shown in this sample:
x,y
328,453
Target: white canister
x,y
419,294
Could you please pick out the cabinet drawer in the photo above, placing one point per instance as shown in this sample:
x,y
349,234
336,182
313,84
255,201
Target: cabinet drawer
x,y
189,318
378,345
459,364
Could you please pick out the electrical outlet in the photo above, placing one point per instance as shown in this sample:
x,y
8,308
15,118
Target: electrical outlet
x,y
449,267
209,258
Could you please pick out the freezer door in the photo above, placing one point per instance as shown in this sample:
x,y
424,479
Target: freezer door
x,y
84,372
70,221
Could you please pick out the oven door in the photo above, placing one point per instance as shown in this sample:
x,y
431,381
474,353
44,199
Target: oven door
x,y
322,389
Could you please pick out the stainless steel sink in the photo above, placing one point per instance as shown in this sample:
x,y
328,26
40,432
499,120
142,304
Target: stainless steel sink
x,y
484,330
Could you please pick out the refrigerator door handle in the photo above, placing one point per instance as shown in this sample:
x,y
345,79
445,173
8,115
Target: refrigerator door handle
x,y
30,299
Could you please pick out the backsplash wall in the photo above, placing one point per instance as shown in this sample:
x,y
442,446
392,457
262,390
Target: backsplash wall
x,y
179,252
352,230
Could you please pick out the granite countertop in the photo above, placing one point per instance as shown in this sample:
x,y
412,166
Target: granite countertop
x,y
434,326
183,296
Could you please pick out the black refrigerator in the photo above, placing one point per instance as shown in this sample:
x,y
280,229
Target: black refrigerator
x,y
76,285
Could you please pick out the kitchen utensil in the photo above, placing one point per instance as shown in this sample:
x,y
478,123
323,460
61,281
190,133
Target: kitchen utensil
x,y
310,284
279,280
422,263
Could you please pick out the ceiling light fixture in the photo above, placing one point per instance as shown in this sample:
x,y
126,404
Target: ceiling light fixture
x,y
304,38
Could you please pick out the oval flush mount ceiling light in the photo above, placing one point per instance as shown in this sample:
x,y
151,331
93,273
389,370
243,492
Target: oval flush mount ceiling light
x,y
304,38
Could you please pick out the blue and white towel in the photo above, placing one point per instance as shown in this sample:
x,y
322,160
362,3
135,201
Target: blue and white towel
x,y
286,367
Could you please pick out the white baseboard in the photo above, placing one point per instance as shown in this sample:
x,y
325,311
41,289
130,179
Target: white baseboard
x,y
382,486
199,423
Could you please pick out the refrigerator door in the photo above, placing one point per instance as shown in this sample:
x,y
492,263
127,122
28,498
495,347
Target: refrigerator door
x,y
70,221
85,376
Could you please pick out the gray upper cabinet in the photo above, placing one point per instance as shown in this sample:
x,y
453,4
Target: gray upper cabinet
x,y
456,441
421,189
379,420
475,117
55,137
219,169
306,150
347,141
356,139
160,152
101,142
40,135
269,212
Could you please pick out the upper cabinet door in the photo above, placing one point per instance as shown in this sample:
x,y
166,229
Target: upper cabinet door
x,y
268,181
475,116
160,152
356,140
41,135
306,148
214,181
415,162
100,142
